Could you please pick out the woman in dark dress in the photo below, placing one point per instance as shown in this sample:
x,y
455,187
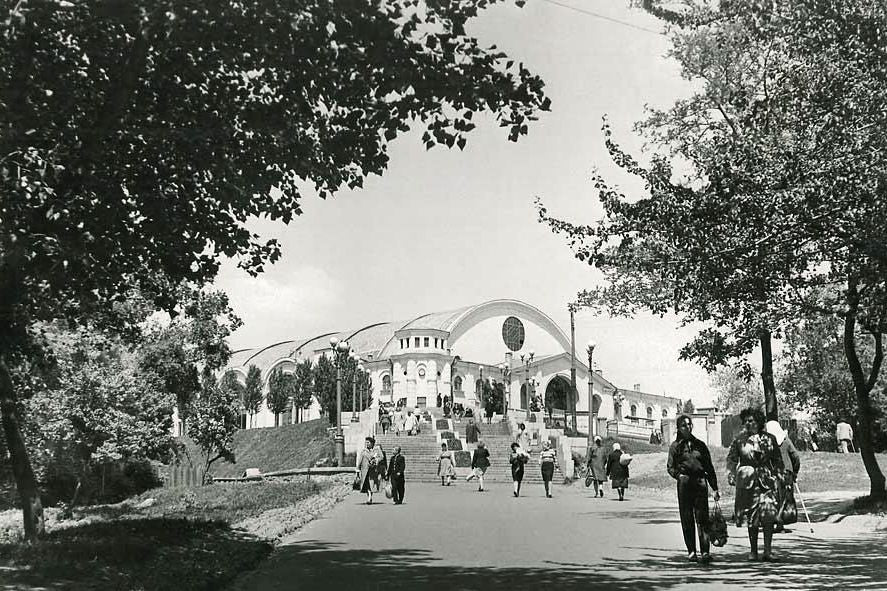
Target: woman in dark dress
x,y
517,459
617,472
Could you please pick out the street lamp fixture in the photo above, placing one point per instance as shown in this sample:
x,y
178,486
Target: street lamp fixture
x,y
340,350
352,356
592,414
527,359
506,381
362,386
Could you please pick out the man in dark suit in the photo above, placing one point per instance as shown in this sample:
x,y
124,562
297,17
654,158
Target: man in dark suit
x,y
396,467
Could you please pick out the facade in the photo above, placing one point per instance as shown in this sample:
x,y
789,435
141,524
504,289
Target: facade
x,y
450,353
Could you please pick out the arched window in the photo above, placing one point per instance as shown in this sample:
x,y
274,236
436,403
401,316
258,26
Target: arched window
x,y
457,384
634,410
664,413
649,412
386,382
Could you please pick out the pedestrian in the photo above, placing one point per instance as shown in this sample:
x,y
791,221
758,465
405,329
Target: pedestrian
x,y
396,469
472,432
518,460
617,471
689,463
447,407
597,465
366,469
522,438
547,458
480,461
439,404
385,422
411,424
791,465
753,463
381,463
844,435
489,411
445,465
399,421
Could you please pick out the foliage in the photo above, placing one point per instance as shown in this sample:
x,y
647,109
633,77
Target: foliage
x,y
688,407
101,409
214,422
736,392
814,377
769,183
252,393
304,386
281,392
232,385
325,387
138,139
493,396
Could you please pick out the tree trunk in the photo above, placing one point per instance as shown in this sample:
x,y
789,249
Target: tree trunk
x,y
863,388
771,409
32,507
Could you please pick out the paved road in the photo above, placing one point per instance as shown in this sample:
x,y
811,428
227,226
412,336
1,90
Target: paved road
x,y
456,538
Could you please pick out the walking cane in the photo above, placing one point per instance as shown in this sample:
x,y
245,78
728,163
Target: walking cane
x,y
803,506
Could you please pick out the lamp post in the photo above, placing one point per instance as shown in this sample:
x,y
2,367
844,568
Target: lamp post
x,y
353,357
574,393
363,387
592,415
340,351
506,381
527,359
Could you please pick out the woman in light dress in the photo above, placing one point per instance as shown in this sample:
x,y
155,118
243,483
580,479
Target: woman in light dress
x,y
446,465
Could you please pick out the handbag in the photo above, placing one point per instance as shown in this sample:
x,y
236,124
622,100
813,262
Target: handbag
x,y
589,478
717,526
355,485
389,492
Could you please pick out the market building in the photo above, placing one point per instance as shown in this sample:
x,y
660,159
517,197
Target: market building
x,y
450,353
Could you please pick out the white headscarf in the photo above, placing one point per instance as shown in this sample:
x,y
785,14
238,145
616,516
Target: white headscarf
x,y
774,429
616,446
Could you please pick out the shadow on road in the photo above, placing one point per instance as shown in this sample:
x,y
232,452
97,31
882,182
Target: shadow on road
x,y
811,564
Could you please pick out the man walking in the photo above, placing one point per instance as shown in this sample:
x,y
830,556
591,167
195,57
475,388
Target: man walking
x,y
689,462
396,467
844,435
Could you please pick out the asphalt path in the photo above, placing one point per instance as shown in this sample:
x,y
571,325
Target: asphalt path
x,y
456,538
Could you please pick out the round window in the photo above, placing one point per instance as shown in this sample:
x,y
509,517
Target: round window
x,y
513,333
421,372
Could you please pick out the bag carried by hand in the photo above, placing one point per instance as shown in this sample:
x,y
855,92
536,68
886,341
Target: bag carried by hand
x,y
589,478
788,509
356,483
717,526
389,492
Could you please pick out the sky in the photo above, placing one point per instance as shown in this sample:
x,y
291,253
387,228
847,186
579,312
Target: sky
x,y
444,228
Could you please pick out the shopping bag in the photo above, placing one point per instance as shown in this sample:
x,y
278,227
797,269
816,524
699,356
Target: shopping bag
x,y
356,483
389,492
717,526
589,478
788,509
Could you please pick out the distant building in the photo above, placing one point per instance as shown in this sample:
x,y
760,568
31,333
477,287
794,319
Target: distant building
x,y
449,353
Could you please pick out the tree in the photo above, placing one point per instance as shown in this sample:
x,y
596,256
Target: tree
x,y
138,139
783,146
252,395
735,391
281,392
325,387
231,384
688,407
493,395
101,408
215,420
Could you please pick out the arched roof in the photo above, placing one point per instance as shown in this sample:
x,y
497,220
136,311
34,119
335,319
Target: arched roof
x,y
377,338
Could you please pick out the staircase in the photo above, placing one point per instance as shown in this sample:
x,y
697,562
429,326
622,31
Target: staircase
x,y
421,452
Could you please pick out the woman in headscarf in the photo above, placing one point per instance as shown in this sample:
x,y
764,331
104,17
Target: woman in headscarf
x,y
380,460
445,465
753,464
517,459
547,458
597,465
617,471
791,463
366,469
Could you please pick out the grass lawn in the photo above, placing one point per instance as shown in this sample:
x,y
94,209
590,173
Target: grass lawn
x,y
184,540
822,471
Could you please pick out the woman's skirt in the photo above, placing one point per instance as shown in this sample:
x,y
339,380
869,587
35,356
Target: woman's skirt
x,y
369,483
517,471
446,468
755,506
547,471
619,482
